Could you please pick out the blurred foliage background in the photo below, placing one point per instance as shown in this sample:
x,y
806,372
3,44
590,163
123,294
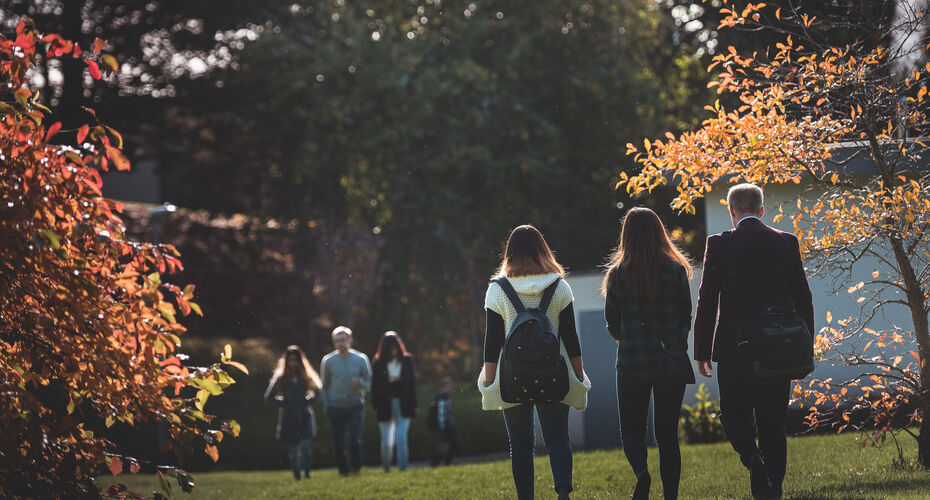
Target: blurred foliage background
x,y
363,162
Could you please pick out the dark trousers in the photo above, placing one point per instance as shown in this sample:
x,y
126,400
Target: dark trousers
x,y
445,447
347,418
633,399
751,407
553,418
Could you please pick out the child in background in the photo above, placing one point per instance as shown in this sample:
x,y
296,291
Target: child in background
x,y
444,423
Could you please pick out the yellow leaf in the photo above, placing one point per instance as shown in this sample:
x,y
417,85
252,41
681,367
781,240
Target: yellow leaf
x,y
829,317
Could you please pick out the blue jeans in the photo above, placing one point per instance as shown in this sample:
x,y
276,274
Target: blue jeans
x,y
342,418
393,430
553,418
300,455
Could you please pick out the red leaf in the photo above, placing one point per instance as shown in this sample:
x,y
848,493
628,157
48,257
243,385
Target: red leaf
x,y
82,133
99,45
52,130
94,69
77,52
116,466
134,467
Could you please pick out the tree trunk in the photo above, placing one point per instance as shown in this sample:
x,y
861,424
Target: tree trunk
x,y
72,92
918,308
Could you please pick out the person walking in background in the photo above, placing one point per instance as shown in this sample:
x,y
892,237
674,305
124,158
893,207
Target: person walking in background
x,y
293,387
394,397
346,377
648,313
766,266
442,421
529,282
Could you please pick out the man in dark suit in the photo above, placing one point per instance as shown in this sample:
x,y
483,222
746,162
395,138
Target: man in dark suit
x,y
769,272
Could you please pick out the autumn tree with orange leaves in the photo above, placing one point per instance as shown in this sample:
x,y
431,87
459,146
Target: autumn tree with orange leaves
x,y
89,331
849,122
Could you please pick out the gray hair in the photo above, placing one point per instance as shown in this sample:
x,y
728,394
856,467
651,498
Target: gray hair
x,y
745,199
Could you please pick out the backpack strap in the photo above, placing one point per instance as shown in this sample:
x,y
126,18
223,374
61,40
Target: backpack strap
x,y
511,294
547,295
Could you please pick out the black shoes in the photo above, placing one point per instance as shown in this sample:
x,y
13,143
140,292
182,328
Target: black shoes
x,y
759,482
643,483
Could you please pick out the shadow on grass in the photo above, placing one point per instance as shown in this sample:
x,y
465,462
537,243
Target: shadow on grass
x,y
870,488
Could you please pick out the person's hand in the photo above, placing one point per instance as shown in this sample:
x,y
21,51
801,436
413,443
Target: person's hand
x,y
485,382
580,376
705,368
356,382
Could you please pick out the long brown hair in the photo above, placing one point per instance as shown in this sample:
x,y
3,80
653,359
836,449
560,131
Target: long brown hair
x,y
644,243
389,340
527,253
305,372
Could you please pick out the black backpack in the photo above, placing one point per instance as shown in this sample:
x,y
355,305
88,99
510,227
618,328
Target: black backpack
x,y
773,344
532,368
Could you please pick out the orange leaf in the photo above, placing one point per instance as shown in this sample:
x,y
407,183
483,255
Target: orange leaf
x,y
212,452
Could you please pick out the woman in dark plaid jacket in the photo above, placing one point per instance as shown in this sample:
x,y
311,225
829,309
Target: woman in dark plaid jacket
x,y
648,312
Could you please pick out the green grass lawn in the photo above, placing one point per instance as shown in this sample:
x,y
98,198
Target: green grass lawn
x,y
819,467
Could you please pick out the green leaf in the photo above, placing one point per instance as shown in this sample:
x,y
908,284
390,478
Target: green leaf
x,y
211,386
53,238
196,308
241,367
202,396
166,313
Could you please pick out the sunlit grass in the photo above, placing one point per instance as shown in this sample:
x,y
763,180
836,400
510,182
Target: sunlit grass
x,y
819,467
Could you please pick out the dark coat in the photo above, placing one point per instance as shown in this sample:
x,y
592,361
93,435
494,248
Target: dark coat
x,y
769,273
295,417
379,389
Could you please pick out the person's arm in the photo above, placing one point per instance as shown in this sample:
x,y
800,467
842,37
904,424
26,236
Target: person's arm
x,y
271,392
612,305
324,382
413,381
365,379
310,398
376,383
684,303
569,335
493,343
800,288
705,319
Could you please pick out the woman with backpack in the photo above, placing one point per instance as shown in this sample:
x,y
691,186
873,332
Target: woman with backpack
x,y
393,395
532,357
294,387
648,312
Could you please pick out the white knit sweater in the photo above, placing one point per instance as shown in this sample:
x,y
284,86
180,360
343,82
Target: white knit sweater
x,y
530,289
